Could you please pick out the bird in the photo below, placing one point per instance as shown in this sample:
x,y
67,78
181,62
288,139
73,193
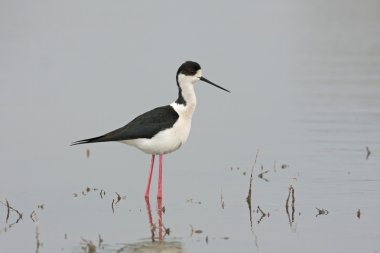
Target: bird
x,y
164,129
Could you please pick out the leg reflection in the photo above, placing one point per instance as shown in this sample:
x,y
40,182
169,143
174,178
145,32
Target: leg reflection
x,y
152,225
159,211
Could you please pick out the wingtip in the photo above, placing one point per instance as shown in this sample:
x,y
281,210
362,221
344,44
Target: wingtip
x,y
78,142
84,141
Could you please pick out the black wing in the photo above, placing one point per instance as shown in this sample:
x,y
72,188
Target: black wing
x,y
146,125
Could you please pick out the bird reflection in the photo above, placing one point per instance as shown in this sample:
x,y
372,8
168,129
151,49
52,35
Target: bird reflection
x,y
157,246
156,243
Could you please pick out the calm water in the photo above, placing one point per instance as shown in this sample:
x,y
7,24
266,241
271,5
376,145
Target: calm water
x,y
305,82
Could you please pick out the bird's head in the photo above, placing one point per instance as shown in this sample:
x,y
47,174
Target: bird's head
x,y
190,72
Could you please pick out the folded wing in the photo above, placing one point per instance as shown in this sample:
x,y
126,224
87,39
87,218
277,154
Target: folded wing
x,y
146,125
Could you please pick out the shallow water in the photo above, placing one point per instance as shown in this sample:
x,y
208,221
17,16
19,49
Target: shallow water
x,y
311,108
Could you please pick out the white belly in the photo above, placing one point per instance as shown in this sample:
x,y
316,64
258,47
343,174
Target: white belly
x,y
166,141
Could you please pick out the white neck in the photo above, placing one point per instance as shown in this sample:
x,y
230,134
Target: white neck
x,y
186,86
188,94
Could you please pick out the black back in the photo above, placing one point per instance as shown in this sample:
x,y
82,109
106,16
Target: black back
x,y
146,125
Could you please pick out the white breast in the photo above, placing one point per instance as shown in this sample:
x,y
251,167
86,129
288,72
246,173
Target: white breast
x,y
173,138
168,140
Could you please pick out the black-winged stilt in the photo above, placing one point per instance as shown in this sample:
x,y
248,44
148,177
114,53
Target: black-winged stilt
x,y
163,129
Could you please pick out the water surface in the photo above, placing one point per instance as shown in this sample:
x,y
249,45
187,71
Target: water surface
x,y
305,82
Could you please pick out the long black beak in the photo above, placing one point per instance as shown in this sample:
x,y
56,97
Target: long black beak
x,y
207,81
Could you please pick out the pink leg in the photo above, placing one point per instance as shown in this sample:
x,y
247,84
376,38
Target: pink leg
x,y
159,193
150,217
159,203
149,178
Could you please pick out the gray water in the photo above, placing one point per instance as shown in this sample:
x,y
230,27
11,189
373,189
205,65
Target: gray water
x,y
305,82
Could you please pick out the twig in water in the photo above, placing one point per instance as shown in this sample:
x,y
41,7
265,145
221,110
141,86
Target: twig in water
x,y
8,211
10,208
102,193
192,201
118,198
263,214
100,239
250,182
33,216
37,236
249,197
321,212
221,198
261,175
368,152
167,231
112,205
196,231
116,201
290,195
261,211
